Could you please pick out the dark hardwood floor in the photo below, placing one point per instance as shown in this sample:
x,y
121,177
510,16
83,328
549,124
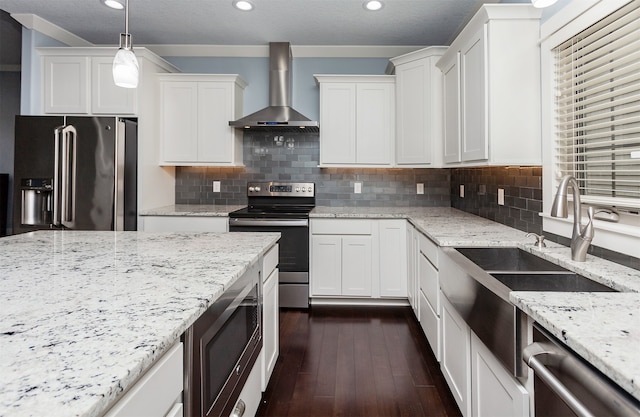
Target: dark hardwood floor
x,y
355,361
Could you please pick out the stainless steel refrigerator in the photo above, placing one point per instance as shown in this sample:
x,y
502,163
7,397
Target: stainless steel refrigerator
x,y
74,172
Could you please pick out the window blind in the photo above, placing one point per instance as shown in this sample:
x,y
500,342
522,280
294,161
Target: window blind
x,y
597,76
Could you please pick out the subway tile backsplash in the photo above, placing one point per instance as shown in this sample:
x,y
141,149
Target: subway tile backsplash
x,y
296,159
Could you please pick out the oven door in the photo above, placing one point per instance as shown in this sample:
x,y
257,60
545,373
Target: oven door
x,y
294,241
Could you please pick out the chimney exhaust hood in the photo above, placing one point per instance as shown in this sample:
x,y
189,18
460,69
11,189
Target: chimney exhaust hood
x,y
279,116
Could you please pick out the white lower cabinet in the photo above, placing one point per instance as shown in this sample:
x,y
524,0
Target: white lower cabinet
x,y
494,392
392,250
159,390
184,224
341,261
456,356
270,309
413,251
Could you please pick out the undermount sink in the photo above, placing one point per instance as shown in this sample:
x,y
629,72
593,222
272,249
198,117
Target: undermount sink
x,y
507,259
554,282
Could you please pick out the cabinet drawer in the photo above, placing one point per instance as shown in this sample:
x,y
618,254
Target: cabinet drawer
x,y
155,393
429,248
269,262
429,284
430,322
341,227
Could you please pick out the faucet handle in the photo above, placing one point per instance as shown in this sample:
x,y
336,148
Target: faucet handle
x,y
539,240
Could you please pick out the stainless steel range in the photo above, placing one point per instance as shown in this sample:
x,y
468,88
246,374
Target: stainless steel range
x,y
282,207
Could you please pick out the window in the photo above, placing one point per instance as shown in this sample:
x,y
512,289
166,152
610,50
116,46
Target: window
x,y
597,87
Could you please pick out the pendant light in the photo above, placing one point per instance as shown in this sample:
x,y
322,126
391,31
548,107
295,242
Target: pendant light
x,y
125,64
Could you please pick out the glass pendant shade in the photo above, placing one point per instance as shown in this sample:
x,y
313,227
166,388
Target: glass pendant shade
x,y
125,68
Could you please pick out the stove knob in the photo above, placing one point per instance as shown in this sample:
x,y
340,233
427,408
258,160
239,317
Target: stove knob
x,y
257,189
297,189
251,189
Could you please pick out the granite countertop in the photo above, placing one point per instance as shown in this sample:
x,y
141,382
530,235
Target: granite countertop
x,y
84,314
601,327
195,210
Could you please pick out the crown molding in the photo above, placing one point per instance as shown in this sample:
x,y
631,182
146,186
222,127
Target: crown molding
x,y
35,22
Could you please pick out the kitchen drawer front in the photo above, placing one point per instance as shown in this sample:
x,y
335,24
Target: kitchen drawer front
x,y
269,262
341,227
156,392
430,322
429,284
429,248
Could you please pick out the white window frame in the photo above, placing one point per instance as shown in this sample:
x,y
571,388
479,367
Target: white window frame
x,y
576,16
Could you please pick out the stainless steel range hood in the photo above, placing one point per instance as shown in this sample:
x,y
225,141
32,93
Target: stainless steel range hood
x,y
279,116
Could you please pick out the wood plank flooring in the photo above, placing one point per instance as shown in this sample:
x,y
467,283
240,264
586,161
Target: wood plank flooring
x,y
355,361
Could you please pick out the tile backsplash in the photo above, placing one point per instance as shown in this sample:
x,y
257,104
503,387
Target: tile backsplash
x,y
522,194
296,158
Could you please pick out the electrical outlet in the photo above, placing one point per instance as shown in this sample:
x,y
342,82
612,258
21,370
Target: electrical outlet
x,y
216,186
419,188
461,190
501,196
357,187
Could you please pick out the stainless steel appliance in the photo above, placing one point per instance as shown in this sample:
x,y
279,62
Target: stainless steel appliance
x,y
221,348
75,172
282,207
566,385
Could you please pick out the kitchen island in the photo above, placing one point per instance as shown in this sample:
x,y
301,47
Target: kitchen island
x,y
85,314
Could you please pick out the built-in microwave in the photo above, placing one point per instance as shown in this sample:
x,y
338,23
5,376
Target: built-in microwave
x,y
221,348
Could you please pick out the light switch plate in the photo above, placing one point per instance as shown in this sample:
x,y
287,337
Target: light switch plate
x,y
420,188
357,187
216,186
461,190
501,196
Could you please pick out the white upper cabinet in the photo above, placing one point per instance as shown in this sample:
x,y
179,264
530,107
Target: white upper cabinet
x,y
195,110
419,132
491,80
357,120
80,81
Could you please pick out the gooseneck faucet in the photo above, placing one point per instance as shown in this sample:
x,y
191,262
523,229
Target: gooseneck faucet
x,y
582,236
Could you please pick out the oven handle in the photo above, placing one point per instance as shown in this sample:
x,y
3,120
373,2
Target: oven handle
x,y
269,222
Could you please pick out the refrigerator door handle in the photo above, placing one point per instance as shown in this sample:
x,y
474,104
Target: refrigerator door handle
x,y
56,175
68,206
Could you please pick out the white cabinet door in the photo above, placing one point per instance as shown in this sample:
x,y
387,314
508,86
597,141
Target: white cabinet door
x,y
456,356
430,303
451,95
474,104
179,121
106,96
194,119
357,114
495,393
326,265
392,258
412,92
66,84
356,266
214,113
338,119
375,123
270,329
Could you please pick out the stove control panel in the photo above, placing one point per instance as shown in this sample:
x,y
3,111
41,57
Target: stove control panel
x,y
281,189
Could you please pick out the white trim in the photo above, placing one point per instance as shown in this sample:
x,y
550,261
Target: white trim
x,y
35,22
572,19
298,51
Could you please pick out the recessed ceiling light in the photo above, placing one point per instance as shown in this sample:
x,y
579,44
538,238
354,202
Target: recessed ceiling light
x,y
243,5
114,4
373,5
542,3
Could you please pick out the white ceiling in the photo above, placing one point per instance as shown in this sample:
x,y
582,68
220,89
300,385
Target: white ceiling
x,y
300,22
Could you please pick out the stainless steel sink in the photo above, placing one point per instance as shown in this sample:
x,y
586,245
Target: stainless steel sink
x,y
507,259
555,282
